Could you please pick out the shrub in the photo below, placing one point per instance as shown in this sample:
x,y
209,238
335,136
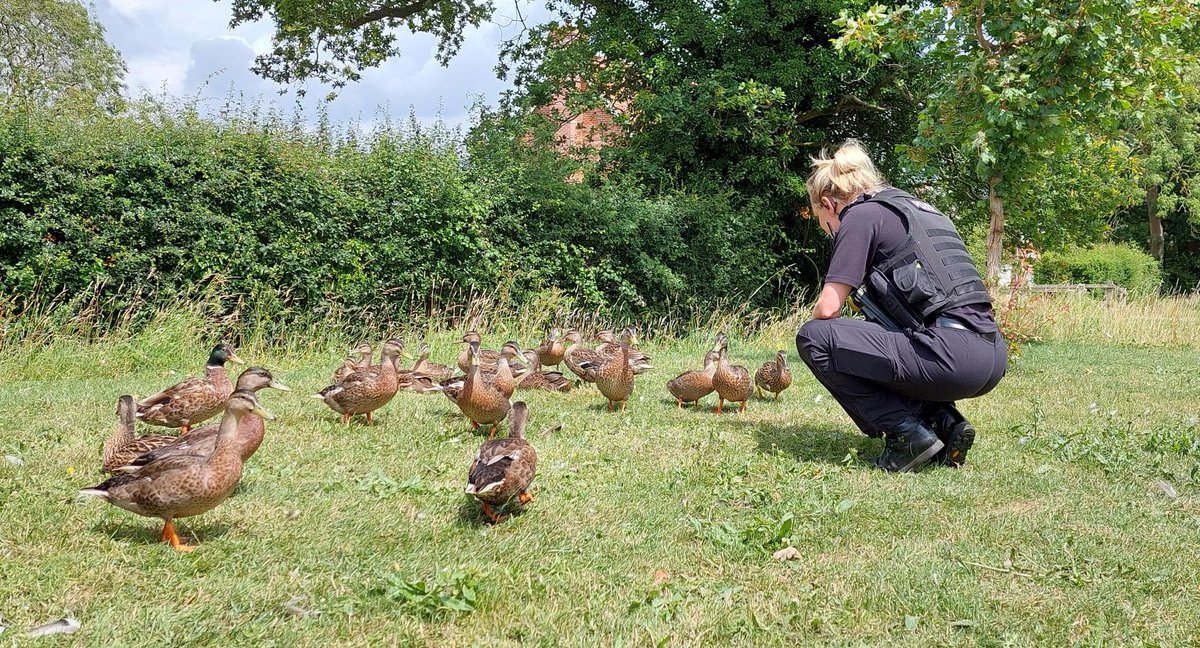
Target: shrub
x,y
142,209
1121,264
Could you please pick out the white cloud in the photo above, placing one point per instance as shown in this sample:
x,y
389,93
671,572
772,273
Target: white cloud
x,y
188,46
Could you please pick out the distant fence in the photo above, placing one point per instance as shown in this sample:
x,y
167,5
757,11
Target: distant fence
x,y
1111,290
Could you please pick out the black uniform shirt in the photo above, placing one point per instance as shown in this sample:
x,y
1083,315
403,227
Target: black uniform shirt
x,y
869,235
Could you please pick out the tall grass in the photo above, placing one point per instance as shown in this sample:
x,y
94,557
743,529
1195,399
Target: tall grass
x,y
83,334
1172,321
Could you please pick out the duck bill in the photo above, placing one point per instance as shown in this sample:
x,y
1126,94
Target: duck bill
x,y
275,384
261,411
235,359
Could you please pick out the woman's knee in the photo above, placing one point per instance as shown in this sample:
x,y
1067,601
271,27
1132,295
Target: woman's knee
x,y
814,336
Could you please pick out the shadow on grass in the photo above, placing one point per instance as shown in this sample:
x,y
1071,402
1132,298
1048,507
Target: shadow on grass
x,y
813,442
470,513
147,530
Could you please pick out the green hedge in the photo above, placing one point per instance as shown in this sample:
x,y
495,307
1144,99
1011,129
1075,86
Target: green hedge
x,y
151,204
1121,264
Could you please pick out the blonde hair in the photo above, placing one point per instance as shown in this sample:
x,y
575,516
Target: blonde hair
x,y
847,173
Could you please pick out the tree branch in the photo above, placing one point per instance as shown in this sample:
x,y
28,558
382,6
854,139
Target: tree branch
x,y
391,11
983,41
847,102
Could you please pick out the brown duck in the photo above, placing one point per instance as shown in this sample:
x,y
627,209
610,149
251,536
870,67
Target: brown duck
x,y
481,400
188,484
535,378
732,383
616,375
691,386
194,400
434,371
551,351
203,440
576,355
487,357
351,365
365,391
124,445
774,376
504,468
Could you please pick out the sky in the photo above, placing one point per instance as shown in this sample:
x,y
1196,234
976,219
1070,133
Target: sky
x,y
186,48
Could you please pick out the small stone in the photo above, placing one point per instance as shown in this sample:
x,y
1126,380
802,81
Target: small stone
x,y
14,460
787,553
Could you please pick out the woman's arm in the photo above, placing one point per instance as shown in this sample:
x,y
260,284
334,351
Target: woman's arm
x,y
829,304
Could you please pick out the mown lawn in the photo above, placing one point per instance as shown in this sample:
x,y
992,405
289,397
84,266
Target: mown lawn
x,y
653,527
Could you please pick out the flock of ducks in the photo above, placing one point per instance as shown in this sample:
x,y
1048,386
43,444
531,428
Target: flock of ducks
x,y
167,476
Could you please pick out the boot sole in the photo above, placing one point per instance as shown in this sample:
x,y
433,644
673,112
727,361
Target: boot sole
x,y
924,457
958,443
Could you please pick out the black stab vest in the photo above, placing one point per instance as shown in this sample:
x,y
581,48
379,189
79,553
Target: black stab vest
x,y
931,272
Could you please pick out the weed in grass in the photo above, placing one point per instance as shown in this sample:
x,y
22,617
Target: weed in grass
x,y
447,591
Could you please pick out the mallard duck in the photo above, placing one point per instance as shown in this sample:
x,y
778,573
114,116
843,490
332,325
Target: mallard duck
x,y
194,400
535,378
487,357
436,372
504,468
350,365
203,439
577,355
774,376
615,377
551,350
187,484
124,445
481,400
691,386
367,390
731,382
608,342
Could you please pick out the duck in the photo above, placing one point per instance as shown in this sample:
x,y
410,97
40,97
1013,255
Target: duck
x,y
194,400
535,378
576,355
691,386
367,390
187,484
615,377
504,468
551,350
350,365
203,440
124,444
505,380
481,400
434,371
487,357
731,382
774,376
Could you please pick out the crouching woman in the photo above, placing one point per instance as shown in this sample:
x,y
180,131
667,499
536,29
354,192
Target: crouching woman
x,y
931,337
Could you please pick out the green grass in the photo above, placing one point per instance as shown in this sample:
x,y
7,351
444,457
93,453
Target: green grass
x,y
653,527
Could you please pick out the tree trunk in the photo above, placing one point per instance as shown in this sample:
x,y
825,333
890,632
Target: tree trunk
x,y
995,237
1156,228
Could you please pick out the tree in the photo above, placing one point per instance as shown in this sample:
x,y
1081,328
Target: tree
x,y
1167,143
714,97
1008,81
53,51
351,34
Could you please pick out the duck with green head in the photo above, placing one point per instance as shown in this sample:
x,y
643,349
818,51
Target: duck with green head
x,y
194,400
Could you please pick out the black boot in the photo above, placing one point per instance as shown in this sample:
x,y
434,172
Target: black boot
x,y
955,431
909,446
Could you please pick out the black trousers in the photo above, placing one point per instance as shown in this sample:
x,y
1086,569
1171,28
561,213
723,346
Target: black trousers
x,y
880,377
